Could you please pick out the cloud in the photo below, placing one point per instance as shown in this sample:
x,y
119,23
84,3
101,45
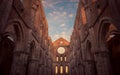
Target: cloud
x,y
50,3
62,25
62,34
60,16
57,16
71,15
74,0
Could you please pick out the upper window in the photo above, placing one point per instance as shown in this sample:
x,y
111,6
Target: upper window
x,y
57,59
61,50
65,59
61,58
83,14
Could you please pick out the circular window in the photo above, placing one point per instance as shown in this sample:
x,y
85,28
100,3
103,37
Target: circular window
x,y
61,50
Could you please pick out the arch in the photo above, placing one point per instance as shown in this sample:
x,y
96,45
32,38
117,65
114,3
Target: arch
x,y
101,26
17,27
105,34
6,54
13,32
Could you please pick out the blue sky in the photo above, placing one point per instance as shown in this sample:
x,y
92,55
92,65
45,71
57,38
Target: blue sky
x,y
60,16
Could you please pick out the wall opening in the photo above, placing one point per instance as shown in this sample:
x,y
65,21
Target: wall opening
x,y
114,47
56,69
66,69
111,36
6,55
61,69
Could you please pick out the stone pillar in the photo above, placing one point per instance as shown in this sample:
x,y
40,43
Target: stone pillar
x,y
103,63
89,67
33,67
80,70
19,61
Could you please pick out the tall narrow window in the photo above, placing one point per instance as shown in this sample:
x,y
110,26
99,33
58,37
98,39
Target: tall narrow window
x,y
83,14
57,59
56,69
61,58
65,59
61,69
66,69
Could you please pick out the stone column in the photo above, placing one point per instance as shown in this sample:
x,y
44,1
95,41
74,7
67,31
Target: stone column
x,y
19,60
89,67
103,63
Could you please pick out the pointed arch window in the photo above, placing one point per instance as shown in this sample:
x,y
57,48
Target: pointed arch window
x,y
57,58
66,69
61,69
61,58
56,69
65,58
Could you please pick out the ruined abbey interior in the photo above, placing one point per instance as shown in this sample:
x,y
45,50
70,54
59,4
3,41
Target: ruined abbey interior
x,y
27,49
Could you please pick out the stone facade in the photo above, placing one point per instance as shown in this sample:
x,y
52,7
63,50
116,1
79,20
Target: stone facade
x,y
60,57
95,41
24,42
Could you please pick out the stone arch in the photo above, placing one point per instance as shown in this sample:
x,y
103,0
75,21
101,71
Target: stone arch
x,y
108,30
11,37
15,27
6,54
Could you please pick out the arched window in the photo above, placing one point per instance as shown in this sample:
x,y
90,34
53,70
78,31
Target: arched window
x,y
57,58
66,69
65,58
56,69
61,69
61,58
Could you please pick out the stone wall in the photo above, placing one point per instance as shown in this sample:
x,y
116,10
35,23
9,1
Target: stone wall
x,y
89,53
23,22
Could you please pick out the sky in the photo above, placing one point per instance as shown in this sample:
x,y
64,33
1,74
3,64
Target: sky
x,y
60,16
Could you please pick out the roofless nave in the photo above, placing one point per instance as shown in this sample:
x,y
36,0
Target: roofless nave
x,y
26,48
